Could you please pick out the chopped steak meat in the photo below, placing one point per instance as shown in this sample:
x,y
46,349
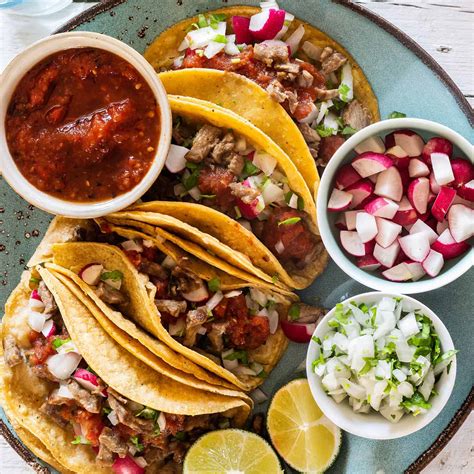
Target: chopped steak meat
x,y
331,61
186,281
236,164
152,269
305,79
56,399
47,298
310,313
194,320
172,307
87,400
290,68
223,148
110,295
271,51
54,412
110,440
277,91
12,351
126,417
205,140
216,335
43,372
356,115
244,193
311,137
328,147
326,94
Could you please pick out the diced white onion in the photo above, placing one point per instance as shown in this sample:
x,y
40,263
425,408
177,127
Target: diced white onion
x,y
175,160
64,392
330,121
229,364
195,193
259,296
243,370
233,293
184,45
272,193
312,115
132,246
63,365
141,461
408,325
213,48
67,347
48,325
215,300
35,305
265,162
293,202
245,223
112,416
36,320
162,421
148,243
240,144
178,62
273,319
177,328
323,109
293,41
201,330
168,262
399,375
346,79
179,190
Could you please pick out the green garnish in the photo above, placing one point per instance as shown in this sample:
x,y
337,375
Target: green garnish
x,y
324,131
214,284
445,356
294,312
319,361
344,90
220,39
316,340
34,280
416,400
290,221
136,442
79,440
275,279
396,114
114,275
192,180
147,413
238,355
106,410
348,130
59,342
191,166
262,374
202,22
249,169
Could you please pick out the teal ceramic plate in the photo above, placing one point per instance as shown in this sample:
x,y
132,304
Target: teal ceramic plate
x,y
404,78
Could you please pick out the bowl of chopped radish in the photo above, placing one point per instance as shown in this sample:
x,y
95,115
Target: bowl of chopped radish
x,y
396,206
381,365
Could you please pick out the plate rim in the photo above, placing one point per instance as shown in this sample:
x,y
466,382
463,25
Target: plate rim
x,y
464,410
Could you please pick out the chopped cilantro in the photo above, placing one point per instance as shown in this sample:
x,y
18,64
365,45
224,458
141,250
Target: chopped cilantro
x,y
294,312
106,410
214,284
344,90
416,400
445,356
202,22
396,114
249,169
238,355
59,342
136,442
79,440
275,279
220,39
348,130
319,361
147,413
369,364
191,166
192,180
316,339
324,131
114,275
290,221
262,374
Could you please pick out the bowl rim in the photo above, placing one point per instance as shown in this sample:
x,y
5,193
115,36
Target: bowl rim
x,y
16,70
333,247
356,425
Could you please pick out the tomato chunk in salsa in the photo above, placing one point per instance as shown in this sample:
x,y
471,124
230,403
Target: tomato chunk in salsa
x,y
83,125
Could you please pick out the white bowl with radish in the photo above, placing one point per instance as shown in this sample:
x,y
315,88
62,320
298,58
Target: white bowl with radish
x,y
381,365
395,206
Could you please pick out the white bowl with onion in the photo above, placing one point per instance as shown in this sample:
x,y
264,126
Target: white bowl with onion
x,y
372,424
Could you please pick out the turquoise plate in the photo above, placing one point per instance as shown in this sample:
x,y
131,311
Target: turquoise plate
x,y
404,78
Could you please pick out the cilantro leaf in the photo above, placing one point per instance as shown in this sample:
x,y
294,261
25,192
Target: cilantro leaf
x,y
136,442
59,342
324,131
396,114
249,169
214,284
238,355
114,275
294,312
290,221
348,130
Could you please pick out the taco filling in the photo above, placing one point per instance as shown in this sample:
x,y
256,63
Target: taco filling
x,y
314,84
221,170
122,433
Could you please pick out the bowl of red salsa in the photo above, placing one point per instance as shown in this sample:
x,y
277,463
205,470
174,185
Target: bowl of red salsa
x,y
85,125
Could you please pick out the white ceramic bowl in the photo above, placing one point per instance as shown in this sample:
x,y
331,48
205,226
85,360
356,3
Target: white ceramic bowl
x,y
373,425
330,234
21,64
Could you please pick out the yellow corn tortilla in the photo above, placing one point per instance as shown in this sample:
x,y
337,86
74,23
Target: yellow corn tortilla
x,y
24,393
74,256
245,97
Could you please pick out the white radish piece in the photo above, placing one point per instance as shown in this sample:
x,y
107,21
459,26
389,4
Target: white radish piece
x,y
389,184
370,163
388,232
295,38
417,168
352,243
360,191
443,202
366,226
346,176
420,226
415,246
368,262
418,194
339,201
433,263
410,141
387,256
442,170
399,156
351,217
176,161
416,270
399,272
434,186
436,145
382,207
374,144
461,222
448,247
266,24
91,273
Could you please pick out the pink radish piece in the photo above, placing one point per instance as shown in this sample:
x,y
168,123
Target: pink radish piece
x,y
436,145
346,176
442,170
360,191
199,295
448,247
87,379
441,226
382,207
374,144
91,273
389,184
340,222
416,270
418,193
266,24
127,465
399,272
339,201
417,168
351,219
298,332
369,247
352,243
370,163
35,295
406,214
408,140
368,262
240,25
373,178
252,210
461,222
399,157
467,191
443,202
387,256
415,246
463,172
388,232
434,186
433,263
366,226
420,226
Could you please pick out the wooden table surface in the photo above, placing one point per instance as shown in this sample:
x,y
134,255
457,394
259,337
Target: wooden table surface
x,y
444,28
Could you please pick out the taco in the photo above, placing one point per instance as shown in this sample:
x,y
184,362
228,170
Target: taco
x,y
91,404
315,79
241,188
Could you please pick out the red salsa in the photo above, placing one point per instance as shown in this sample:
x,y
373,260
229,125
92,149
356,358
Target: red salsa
x,y
83,125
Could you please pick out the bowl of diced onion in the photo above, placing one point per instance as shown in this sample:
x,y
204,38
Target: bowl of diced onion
x,y
381,365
